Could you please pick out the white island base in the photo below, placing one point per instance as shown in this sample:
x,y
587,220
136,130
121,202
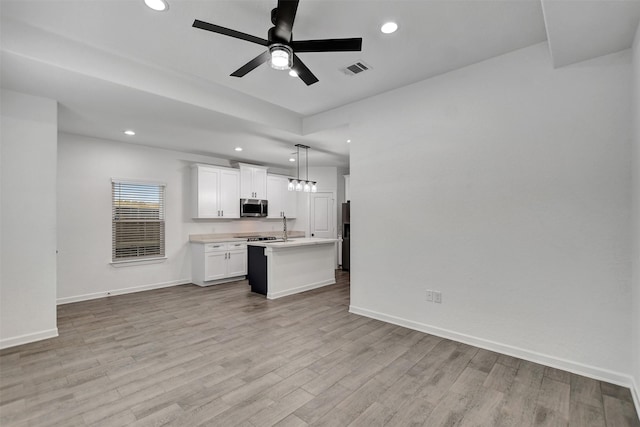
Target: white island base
x,y
286,268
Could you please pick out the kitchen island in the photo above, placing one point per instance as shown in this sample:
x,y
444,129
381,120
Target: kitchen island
x,y
282,268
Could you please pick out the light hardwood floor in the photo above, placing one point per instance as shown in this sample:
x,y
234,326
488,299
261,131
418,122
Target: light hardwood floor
x,y
222,356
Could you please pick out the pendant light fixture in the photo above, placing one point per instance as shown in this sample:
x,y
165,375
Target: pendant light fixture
x,y
298,184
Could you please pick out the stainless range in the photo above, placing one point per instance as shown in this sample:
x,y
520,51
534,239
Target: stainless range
x,y
260,239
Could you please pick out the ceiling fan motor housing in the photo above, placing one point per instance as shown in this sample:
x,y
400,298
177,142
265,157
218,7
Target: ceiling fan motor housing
x,y
273,38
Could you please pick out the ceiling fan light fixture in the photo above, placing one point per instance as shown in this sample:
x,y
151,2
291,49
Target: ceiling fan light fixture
x,y
389,27
281,56
157,5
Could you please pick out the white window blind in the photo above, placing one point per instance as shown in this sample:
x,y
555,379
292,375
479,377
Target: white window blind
x,y
138,220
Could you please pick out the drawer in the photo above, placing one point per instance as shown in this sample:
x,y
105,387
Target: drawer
x,y
236,246
215,247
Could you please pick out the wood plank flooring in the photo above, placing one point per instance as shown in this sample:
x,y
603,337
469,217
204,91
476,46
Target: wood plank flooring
x,y
222,356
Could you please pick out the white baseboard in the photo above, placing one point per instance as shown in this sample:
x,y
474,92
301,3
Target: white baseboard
x,y
275,295
635,393
520,353
85,297
218,282
28,338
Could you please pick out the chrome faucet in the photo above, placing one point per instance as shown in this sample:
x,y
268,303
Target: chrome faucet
x,y
284,232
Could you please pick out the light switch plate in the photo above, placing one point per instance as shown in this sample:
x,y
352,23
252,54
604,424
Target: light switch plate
x,y
429,295
437,297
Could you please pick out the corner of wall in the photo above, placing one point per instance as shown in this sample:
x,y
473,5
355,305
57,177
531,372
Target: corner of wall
x,y
635,170
28,214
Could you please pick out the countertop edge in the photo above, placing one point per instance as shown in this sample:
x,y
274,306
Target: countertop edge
x,y
308,241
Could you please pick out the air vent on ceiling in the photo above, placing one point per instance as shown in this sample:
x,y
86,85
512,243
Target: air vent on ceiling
x,y
357,68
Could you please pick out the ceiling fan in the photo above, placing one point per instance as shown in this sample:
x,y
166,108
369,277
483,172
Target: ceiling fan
x,y
282,48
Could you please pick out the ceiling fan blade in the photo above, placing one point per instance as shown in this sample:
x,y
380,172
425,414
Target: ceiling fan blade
x,y
253,64
229,32
328,45
284,19
303,72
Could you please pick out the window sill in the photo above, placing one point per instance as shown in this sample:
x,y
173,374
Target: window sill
x,y
133,262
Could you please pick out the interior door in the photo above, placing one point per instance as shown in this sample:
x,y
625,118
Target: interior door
x,y
322,215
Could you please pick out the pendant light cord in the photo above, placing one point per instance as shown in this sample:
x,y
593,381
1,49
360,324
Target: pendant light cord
x,y
298,164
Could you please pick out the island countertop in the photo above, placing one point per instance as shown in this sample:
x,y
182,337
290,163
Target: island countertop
x,y
278,269
294,242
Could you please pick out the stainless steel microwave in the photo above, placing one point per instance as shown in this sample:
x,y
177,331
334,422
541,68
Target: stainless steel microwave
x,y
253,208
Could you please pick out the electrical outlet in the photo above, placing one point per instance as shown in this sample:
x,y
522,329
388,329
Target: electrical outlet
x,y
429,295
437,297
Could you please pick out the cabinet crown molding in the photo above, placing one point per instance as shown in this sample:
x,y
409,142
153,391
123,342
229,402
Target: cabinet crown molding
x,y
248,165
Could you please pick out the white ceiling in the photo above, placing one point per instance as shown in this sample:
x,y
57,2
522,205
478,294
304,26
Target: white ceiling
x,y
114,65
583,29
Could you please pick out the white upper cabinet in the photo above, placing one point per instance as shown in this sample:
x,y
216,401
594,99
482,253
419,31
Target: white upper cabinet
x,y
282,202
347,188
229,193
253,181
215,192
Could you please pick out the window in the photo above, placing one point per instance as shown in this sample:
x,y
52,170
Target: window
x,y
137,220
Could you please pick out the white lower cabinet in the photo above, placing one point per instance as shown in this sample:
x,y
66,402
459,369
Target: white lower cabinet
x,y
214,263
237,262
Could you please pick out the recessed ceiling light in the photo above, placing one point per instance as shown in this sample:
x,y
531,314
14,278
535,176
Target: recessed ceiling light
x,y
129,132
348,141
291,159
238,148
158,5
389,27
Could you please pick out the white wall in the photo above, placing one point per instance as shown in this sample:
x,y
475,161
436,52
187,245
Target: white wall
x,y
636,217
28,219
506,186
86,166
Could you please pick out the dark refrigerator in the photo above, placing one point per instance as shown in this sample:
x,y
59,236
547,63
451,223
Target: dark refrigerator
x,y
346,236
